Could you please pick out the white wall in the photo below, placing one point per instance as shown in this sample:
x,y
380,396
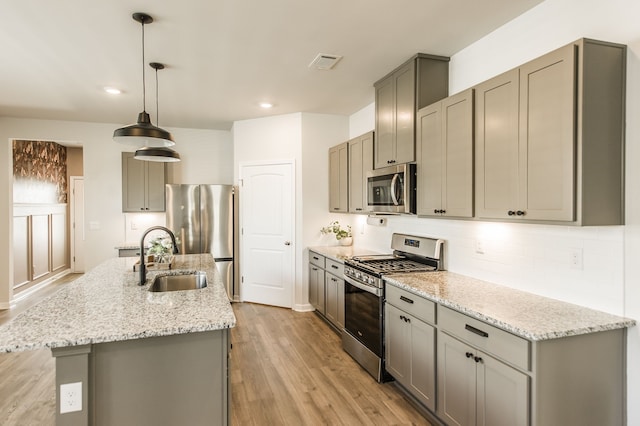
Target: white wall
x,y
305,139
535,258
103,179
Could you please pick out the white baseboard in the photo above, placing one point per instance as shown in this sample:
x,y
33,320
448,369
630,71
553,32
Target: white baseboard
x,y
306,307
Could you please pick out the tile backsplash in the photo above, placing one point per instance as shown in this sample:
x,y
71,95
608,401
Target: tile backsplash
x,y
582,265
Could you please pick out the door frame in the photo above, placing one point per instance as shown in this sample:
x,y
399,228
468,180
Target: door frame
x,y
294,257
73,230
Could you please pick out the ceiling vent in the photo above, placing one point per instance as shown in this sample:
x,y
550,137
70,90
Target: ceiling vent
x,y
324,61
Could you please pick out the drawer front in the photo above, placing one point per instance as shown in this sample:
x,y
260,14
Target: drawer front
x,y
412,304
316,259
335,268
485,337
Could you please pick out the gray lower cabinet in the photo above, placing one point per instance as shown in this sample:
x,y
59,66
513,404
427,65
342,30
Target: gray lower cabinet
x,y
467,372
143,185
326,288
316,282
476,389
410,343
410,354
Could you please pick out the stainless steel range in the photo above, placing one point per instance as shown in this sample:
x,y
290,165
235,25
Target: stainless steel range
x,y
364,276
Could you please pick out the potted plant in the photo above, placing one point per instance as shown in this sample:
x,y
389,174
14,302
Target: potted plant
x,y
343,236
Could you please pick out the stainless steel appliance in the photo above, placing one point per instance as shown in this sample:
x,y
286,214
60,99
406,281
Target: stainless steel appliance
x,y
363,336
392,189
203,217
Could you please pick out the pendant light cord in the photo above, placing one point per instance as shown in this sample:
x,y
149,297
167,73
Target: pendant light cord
x,y
144,83
157,107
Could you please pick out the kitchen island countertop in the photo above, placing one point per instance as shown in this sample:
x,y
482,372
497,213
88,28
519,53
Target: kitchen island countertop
x,y
521,313
107,305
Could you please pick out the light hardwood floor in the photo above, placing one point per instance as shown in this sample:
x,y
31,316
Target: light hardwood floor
x,y
287,368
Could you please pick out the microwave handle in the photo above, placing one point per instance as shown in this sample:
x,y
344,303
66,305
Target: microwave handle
x,y
394,181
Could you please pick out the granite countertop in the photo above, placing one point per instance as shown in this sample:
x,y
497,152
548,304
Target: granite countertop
x,y
341,253
106,304
524,314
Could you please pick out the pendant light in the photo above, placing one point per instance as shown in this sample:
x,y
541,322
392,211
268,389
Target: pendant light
x,y
143,133
161,154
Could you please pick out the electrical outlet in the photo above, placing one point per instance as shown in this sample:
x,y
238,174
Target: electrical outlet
x,y
134,226
70,397
575,259
479,247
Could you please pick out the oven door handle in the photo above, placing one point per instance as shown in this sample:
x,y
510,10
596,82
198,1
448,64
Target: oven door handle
x,y
367,288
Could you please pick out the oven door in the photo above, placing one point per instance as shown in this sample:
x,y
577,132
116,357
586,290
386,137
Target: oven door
x,y
363,314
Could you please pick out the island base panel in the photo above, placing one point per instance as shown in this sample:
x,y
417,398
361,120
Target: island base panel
x,y
179,379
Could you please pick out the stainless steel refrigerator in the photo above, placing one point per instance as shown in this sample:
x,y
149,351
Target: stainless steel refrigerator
x,y
203,217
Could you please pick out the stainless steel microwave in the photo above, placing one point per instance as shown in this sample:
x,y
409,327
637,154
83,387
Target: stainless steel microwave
x,y
392,189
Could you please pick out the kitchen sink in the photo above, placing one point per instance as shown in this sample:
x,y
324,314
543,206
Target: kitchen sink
x,y
175,282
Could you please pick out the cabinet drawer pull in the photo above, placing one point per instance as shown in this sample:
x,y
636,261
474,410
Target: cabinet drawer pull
x,y
476,331
314,269
334,279
316,258
334,267
406,299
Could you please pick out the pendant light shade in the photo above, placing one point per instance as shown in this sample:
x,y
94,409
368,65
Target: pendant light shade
x,y
143,133
161,154
149,153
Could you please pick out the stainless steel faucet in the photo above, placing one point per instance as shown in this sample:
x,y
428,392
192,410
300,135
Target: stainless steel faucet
x,y
143,266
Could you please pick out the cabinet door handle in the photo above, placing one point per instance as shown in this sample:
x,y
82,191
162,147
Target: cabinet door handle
x,y
511,213
358,209
475,330
314,269
477,359
336,208
520,213
316,258
469,354
334,279
406,299
334,267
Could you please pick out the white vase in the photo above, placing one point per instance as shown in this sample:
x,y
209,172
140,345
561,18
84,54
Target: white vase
x,y
346,241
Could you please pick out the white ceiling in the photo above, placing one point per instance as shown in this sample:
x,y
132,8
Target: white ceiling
x,y
223,57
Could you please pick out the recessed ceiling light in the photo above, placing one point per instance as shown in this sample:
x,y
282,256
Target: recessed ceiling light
x,y
266,105
112,90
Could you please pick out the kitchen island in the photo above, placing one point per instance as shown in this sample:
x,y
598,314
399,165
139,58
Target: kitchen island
x,y
141,357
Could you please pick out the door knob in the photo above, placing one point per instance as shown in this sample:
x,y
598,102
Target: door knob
x,y
287,243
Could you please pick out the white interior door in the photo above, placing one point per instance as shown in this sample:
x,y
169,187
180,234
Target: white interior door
x,y
267,233
77,224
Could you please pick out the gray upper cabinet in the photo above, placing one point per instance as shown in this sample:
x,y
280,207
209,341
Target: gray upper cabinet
x,y
143,185
360,162
420,81
549,138
444,151
339,178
